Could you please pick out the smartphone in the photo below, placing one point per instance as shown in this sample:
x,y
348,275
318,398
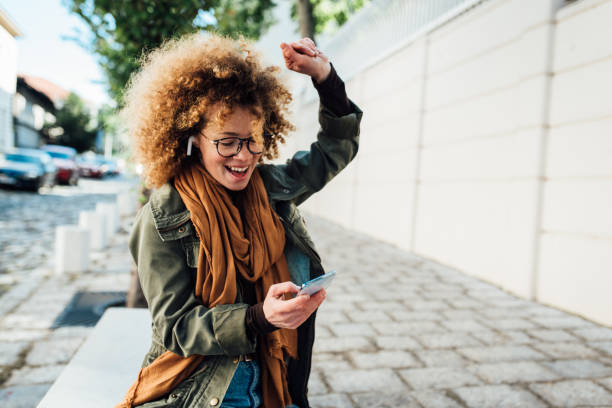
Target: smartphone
x,y
314,285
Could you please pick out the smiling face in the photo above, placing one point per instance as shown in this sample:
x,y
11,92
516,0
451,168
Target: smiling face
x,y
233,172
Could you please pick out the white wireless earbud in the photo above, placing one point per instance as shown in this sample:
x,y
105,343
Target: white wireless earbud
x,y
189,144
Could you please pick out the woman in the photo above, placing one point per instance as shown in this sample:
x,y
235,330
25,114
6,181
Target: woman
x,y
221,247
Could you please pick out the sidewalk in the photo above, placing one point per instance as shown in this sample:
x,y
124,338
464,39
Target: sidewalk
x,y
31,354
395,331
401,331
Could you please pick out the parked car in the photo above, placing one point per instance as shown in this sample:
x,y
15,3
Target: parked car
x,y
64,159
27,169
110,166
90,166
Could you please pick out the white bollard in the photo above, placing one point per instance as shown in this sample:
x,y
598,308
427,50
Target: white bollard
x,y
114,210
94,222
125,203
111,216
71,249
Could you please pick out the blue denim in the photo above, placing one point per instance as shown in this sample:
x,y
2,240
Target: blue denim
x,y
245,388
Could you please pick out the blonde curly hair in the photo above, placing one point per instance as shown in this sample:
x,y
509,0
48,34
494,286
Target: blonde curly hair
x,y
167,99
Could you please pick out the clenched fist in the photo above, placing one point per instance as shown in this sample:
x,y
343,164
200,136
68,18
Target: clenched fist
x,y
304,57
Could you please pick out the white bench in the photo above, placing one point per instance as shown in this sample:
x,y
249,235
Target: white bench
x,y
104,367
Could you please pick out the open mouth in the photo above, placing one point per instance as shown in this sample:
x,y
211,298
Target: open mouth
x,y
237,171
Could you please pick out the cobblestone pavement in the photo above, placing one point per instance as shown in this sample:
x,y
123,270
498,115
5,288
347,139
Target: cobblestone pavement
x,y
396,330
28,221
32,355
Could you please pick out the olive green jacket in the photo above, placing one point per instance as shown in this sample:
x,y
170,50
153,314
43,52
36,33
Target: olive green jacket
x,y
165,247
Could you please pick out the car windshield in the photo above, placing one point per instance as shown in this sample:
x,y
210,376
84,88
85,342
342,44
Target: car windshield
x,y
22,158
59,155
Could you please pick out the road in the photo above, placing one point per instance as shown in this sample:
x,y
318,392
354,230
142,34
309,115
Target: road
x,y
28,221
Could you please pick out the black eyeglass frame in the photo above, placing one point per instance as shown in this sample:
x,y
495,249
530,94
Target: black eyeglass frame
x,y
241,140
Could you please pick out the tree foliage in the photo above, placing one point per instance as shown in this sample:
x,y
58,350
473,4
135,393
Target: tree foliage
x,y
122,29
249,18
108,123
328,15
73,125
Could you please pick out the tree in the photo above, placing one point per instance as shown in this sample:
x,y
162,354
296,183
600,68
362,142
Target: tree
x,y
249,18
323,16
305,16
122,30
73,125
108,123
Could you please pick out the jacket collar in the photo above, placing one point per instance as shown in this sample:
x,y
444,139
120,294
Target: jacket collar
x,y
168,208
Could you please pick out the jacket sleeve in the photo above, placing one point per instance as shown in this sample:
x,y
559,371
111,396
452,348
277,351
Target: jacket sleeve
x,y
336,145
182,324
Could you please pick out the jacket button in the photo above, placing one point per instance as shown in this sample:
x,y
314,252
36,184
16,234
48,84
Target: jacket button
x,y
286,190
174,396
214,401
181,229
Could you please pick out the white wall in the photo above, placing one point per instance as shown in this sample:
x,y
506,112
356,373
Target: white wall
x,y
486,145
8,83
483,123
575,265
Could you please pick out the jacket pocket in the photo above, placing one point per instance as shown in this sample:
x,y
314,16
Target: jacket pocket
x,y
174,399
178,231
192,253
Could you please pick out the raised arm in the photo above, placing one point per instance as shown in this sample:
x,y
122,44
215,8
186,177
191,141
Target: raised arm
x,y
337,140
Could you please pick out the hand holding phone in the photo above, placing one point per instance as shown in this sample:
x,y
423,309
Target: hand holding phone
x,y
289,313
314,285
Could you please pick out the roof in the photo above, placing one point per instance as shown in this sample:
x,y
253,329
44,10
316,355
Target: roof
x,y
29,92
9,25
54,92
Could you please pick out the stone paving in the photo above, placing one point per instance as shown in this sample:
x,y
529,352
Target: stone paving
x,y
28,232
32,355
396,330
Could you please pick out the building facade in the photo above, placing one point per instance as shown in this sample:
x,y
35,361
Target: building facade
x,y
33,106
8,77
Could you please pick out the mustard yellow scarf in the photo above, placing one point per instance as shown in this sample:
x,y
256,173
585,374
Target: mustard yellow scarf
x,y
229,246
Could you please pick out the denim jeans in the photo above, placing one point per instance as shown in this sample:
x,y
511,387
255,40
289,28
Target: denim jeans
x,y
245,388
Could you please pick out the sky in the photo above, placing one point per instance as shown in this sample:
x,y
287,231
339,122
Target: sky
x,y
44,53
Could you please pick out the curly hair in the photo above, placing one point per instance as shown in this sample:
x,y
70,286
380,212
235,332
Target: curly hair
x,y
167,99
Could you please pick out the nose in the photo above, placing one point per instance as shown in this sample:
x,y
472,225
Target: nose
x,y
243,154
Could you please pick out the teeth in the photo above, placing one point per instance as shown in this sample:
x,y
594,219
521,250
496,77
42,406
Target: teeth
x,y
239,169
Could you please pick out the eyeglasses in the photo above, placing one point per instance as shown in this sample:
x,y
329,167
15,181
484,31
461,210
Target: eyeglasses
x,y
231,146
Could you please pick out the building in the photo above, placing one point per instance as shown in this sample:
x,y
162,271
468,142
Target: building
x,y
32,107
8,77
